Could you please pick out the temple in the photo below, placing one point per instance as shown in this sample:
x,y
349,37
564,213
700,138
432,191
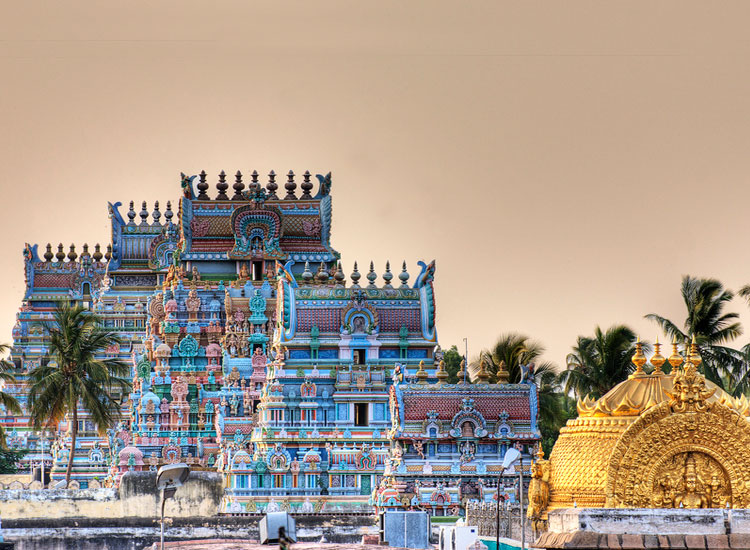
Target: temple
x,y
252,356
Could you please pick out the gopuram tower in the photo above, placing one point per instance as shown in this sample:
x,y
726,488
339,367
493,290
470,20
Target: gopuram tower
x,y
252,355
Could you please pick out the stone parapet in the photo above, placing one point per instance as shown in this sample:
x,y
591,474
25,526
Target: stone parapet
x,y
642,521
200,496
629,528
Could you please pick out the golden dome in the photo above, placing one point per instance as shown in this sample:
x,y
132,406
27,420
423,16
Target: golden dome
x,y
642,391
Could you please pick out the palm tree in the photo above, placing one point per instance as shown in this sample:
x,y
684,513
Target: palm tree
x,y
8,401
74,375
514,351
705,300
598,363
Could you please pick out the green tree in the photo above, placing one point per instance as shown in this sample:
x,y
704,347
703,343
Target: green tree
x,y
452,361
517,350
599,362
74,374
514,350
707,321
9,460
6,400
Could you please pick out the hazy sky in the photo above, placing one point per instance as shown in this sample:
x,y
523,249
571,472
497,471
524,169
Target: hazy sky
x,y
564,162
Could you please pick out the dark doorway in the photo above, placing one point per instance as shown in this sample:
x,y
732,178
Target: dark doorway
x,y
361,417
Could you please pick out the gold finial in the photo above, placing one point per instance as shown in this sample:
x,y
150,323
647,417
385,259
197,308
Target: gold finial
x,y
695,356
638,360
657,359
441,374
462,371
421,373
675,359
483,376
540,453
503,376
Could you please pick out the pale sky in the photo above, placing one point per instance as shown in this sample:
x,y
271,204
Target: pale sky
x,y
564,162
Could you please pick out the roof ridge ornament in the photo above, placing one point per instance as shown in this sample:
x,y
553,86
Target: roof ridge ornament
x,y
657,359
638,359
689,392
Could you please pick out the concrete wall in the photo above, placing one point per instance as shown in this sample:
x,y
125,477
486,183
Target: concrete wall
x,y
199,496
138,533
137,497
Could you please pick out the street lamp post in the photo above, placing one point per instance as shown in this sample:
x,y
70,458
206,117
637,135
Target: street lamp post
x,y
168,479
523,524
42,438
511,455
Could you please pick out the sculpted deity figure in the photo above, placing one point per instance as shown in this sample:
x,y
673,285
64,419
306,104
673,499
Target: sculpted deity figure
x,y
419,448
715,487
397,453
467,452
539,491
667,486
690,497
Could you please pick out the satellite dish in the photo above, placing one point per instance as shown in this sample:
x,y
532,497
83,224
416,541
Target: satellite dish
x,y
511,455
172,476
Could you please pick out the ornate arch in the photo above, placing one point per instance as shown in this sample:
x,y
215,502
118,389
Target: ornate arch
x,y
250,222
667,449
468,413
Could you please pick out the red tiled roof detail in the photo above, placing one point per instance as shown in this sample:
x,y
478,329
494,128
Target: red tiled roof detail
x,y
53,280
327,320
213,245
416,406
391,320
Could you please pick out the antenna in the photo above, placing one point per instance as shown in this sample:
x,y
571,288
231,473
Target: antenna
x,y
466,356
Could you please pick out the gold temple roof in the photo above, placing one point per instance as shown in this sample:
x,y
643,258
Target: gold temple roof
x,y
642,391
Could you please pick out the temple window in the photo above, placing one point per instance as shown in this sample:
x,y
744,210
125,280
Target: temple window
x,y
467,429
361,416
359,356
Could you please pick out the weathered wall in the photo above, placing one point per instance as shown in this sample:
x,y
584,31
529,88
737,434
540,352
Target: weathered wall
x,y
137,497
59,503
137,533
199,496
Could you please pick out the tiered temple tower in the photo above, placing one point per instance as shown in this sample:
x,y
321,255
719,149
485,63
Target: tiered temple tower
x,y
253,356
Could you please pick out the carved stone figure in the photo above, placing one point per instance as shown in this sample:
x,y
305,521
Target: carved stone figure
x,y
539,492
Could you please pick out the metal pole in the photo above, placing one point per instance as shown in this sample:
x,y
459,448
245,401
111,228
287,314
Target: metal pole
x,y
508,532
466,362
163,500
497,519
523,525
42,460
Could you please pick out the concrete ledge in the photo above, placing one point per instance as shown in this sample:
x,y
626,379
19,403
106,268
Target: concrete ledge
x,y
599,541
137,497
647,521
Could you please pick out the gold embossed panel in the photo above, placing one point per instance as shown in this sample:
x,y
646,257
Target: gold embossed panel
x,y
693,459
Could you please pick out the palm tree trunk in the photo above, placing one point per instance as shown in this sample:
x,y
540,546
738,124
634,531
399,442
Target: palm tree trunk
x,y
73,434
